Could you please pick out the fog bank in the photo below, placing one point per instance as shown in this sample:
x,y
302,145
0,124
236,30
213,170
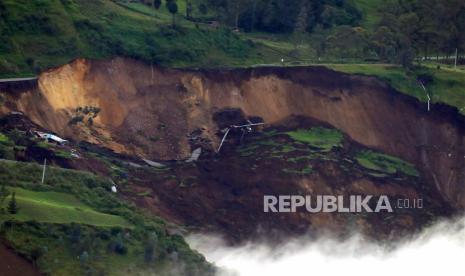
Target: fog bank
x,y
436,250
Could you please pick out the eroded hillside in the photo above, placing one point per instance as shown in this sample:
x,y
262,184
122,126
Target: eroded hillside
x,y
155,113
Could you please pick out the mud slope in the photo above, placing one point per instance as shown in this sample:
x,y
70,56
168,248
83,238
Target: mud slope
x,y
15,265
224,194
152,112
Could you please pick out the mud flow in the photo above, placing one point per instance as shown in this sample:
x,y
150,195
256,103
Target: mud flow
x,y
323,132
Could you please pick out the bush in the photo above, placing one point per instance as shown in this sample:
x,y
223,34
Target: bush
x,y
117,246
7,67
76,119
12,205
425,78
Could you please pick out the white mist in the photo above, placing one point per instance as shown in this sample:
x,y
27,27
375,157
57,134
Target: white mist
x,y
438,250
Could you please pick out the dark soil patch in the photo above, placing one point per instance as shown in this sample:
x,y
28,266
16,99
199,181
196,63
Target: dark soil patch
x,y
225,193
12,264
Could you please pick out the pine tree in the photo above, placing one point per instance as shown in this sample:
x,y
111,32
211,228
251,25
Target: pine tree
x,y
156,4
189,10
12,206
4,193
301,24
150,248
173,9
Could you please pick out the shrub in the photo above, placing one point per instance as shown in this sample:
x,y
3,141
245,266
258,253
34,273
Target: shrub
x,y
12,205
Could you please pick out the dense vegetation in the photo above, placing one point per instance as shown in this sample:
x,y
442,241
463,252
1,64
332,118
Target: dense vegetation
x,y
37,34
40,34
395,32
443,86
74,225
280,16
391,31
318,137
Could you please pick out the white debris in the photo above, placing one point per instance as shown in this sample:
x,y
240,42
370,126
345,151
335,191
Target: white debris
x,y
427,95
75,154
195,155
52,137
153,163
113,189
132,164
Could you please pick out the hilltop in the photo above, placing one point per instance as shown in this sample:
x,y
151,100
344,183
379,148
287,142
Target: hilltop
x,y
38,35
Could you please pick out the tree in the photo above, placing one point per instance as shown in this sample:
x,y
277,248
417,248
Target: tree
x,y
12,206
384,43
348,42
254,12
239,6
401,34
84,258
156,4
173,9
300,24
76,234
4,193
421,27
150,246
188,9
35,254
203,9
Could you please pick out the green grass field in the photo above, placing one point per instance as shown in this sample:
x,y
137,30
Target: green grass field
x,y
56,207
385,164
318,137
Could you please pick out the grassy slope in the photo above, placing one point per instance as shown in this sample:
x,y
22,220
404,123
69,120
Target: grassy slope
x,y
56,207
318,137
384,163
102,28
446,87
56,247
43,34
301,149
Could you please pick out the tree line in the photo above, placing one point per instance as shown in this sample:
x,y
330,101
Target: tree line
x,y
282,16
405,29
422,28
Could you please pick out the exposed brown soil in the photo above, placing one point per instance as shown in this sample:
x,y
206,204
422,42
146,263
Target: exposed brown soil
x,y
225,193
163,114
151,112
12,264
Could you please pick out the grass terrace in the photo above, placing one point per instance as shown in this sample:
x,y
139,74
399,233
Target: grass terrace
x,y
323,138
385,164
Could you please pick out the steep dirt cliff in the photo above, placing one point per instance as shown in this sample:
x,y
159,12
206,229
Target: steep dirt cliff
x,y
151,112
